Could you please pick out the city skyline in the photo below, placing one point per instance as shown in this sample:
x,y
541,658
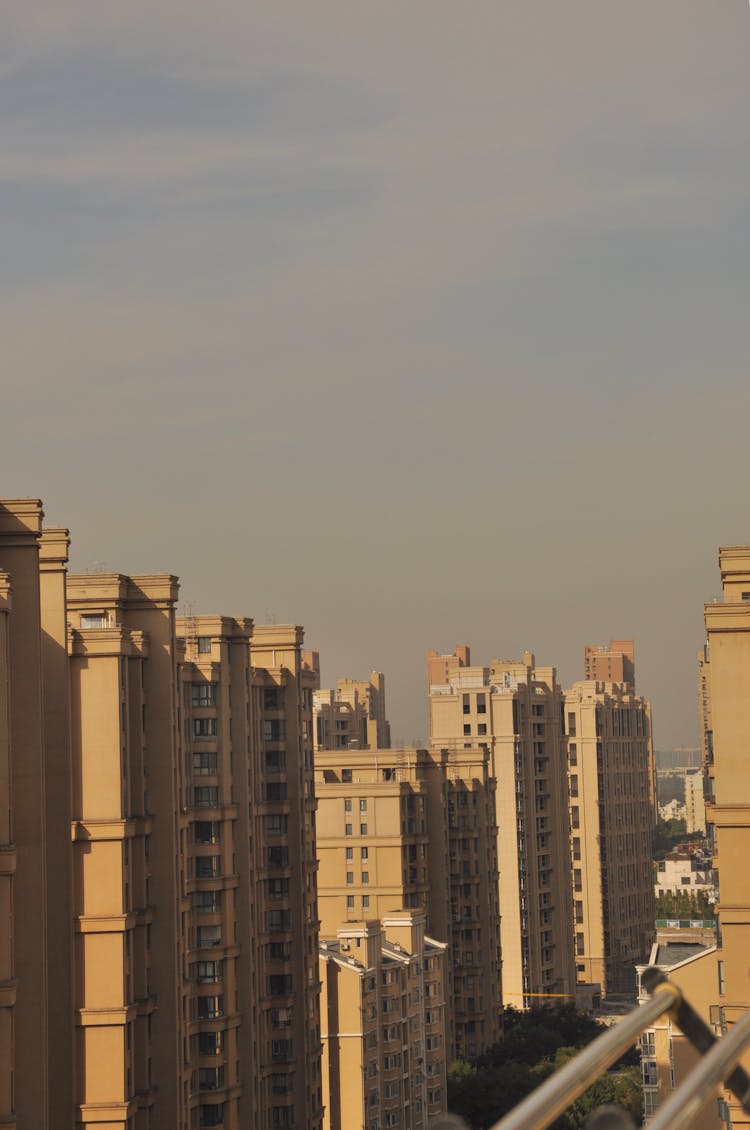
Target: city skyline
x,y
408,326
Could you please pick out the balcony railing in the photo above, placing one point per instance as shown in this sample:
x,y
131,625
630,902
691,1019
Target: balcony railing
x,y
718,1065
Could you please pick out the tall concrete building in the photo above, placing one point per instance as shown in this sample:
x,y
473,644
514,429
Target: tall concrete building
x,y
717,983
612,790
513,711
36,1012
384,1024
612,663
388,820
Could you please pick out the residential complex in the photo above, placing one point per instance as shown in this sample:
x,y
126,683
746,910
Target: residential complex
x,y
383,1024
612,816
157,848
512,710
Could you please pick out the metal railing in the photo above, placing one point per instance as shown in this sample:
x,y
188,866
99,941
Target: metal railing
x,y
560,1090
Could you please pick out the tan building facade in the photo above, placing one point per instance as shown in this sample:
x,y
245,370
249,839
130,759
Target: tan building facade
x,y
383,1024
513,711
612,788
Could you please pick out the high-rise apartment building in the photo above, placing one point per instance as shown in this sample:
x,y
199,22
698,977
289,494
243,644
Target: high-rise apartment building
x,y
717,983
612,788
384,1024
513,711
352,715
36,1012
158,921
248,835
416,828
286,882
613,663
133,1057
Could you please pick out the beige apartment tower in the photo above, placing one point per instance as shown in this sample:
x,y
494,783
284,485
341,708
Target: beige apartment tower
x,y
612,817
133,1070
384,1024
416,828
36,1089
513,711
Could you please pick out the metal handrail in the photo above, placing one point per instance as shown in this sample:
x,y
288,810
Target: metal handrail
x,y
712,1070
719,1065
556,1094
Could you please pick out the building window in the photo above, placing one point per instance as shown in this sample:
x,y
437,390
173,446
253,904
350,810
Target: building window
x,y
466,703
365,878
482,728
350,878
207,832
363,806
206,796
347,829
280,984
350,902
365,902
278,888
346,776
364,853
363,829
209,1008
572,724
348,804
94,620
720,971
204,764
204,727
212,1115
467,728
349,855
203,694
204,645
273,698
276,824
209,936
207,902
274,730
276,792
481,704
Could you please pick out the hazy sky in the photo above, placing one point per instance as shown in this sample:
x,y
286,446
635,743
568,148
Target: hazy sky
x,y
416,323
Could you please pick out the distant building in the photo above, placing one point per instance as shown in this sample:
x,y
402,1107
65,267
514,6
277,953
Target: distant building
x,y
416,828
684,871
513,711
614,663
352,715
695,804
383,1024
612,816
